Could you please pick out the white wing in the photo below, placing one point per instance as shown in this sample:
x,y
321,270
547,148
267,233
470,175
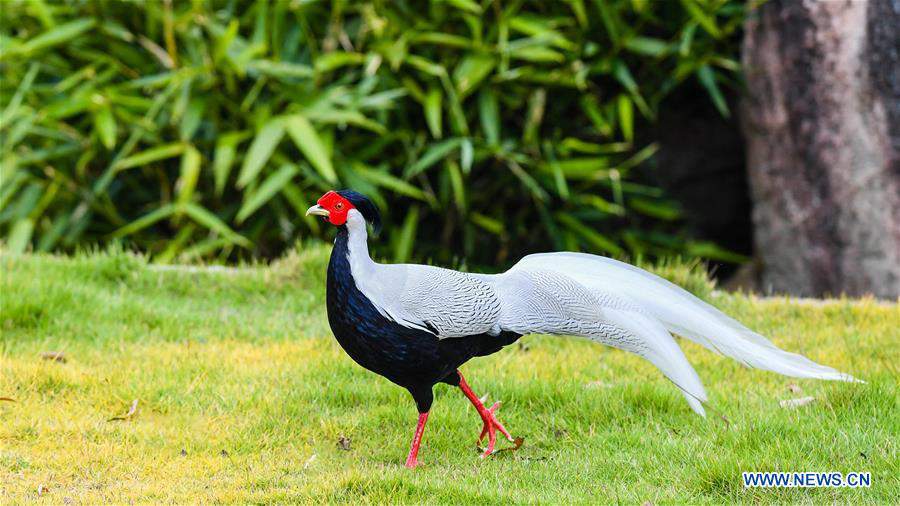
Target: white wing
x,y
445,302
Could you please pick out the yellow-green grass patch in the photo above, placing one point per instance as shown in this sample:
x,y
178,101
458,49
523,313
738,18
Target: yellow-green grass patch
x,y
243,396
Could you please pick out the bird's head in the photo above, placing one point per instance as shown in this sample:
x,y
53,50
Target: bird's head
x,y
336,207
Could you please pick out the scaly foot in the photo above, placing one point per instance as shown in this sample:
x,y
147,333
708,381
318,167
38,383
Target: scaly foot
x,y
412,460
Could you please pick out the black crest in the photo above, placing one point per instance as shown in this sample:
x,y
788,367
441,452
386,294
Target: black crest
x,y
364,206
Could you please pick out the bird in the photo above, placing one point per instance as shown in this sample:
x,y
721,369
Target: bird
x,y
417,324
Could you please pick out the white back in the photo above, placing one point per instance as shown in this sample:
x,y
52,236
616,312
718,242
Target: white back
x,y
442,301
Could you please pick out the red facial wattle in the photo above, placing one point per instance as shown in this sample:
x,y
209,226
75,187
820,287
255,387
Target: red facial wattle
x,y
337,207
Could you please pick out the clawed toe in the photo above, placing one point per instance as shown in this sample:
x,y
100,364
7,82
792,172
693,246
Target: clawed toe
x,y
489,417
490,428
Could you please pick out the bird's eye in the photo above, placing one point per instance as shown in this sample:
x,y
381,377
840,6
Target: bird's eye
x,y
339,206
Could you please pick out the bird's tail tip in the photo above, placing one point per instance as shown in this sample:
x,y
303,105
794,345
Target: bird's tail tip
x,y
840,376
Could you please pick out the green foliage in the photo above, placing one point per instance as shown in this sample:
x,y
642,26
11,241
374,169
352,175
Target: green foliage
x,y
205,129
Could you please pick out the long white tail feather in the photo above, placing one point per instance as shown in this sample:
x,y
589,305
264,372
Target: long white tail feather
x,y
681,313
663,352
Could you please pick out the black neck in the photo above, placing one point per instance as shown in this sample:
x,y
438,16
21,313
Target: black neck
x,y
339,263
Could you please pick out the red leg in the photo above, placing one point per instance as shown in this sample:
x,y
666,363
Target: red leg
x,y
411,460
488,416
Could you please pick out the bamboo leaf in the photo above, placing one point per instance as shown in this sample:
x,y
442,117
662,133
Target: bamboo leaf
x,y
281,70
190,172
457,116
434,154
609,18
535,116
390,182
580,12
144,221
537,54
226,149
13,106
572,144
706,249
192,117
540,27
223,41
466,155
470,72
487,223
342,118
10,184
592,109
623,75
489,112
602,204
151,155
707,78
50,238
294,196
331,61
26,202
55,36
626,117
529,182
310,144
105,124
212,222
383,100
406,239
269,187
260,151
647,45
706,21
203,248
442,39
662,209
586,168
589,235
466,5
687,39
426,66
176,244
433,111
456,182
562,186
638,158
20,235
18,132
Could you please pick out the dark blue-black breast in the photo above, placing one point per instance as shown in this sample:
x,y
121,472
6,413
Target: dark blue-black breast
x,y
412,358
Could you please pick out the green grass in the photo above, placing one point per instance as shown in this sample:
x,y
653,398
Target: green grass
x,y
238,369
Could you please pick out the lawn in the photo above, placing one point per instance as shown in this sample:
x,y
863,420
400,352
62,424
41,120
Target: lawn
x,y
244,396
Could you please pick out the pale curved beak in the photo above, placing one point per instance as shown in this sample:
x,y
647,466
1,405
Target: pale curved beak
x,y
317,210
